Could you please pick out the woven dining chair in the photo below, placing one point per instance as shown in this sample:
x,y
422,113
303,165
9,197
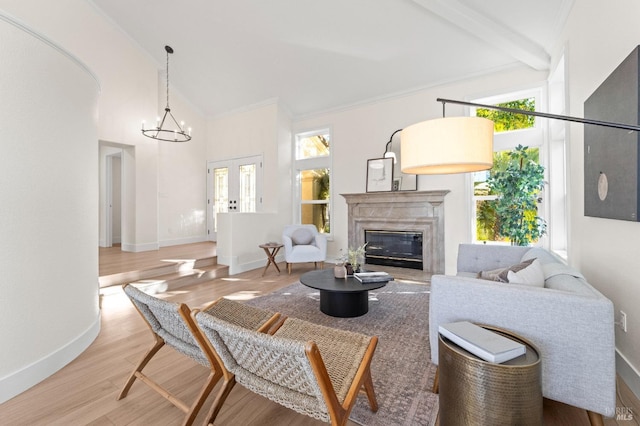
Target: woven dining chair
x,y
314,370
171,324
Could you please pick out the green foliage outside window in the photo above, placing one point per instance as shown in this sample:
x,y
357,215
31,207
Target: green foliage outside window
x,y
505,121
512,216
518,187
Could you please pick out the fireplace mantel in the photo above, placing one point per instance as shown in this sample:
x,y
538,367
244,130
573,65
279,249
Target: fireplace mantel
x,y
420,211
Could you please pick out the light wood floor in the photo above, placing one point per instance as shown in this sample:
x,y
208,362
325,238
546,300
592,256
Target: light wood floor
x,y
84,392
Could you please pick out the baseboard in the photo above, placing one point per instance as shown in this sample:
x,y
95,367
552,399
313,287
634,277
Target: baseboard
x,y
135,248
180,241
236,268
628,373
18,382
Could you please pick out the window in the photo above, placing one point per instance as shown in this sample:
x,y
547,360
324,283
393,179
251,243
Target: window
x,y
312,167
511,130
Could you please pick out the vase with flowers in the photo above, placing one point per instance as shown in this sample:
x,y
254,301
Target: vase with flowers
x,y
353,259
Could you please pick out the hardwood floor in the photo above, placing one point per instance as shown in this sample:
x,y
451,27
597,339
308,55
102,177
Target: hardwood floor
x,y
113,260
84,392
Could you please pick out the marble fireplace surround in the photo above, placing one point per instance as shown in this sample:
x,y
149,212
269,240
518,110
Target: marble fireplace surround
x,y
416,211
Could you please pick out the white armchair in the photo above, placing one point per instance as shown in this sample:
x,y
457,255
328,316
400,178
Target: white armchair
x,y
303,243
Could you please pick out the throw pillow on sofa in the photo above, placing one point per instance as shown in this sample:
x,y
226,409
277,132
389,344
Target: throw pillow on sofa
x,y
532,275
500,274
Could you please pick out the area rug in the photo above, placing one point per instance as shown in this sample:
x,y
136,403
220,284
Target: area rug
x,y
401,368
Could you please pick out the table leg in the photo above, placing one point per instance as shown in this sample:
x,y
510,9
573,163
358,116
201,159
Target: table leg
x,y
344,305
271,259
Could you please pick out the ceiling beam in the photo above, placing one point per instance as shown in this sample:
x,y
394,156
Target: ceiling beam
x,y
490,31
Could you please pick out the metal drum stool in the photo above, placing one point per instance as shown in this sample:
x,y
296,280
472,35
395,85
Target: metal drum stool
x,y
477,392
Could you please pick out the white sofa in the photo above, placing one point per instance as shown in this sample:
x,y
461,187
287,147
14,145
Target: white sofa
x,y
570,322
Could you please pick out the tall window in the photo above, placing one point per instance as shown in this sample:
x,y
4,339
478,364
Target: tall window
x,y
511,130
313,177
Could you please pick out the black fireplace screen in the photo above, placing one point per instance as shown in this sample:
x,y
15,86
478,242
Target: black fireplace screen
x,y
394,248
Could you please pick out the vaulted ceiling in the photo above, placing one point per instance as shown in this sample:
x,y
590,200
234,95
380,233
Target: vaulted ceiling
x,y
317,55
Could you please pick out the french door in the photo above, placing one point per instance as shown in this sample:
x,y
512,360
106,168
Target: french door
x,y
233,186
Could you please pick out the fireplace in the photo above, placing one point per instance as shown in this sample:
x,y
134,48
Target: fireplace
x,y
402,249
399,213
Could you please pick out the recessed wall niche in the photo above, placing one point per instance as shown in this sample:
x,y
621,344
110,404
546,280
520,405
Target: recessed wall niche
x,y
611,155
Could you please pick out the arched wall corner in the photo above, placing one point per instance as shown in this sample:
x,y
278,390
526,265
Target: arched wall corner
x,y
49,291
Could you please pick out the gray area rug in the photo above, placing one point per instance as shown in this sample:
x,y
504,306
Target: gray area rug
x,y
401,368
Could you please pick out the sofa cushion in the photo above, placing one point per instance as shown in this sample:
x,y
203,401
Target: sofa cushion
x,y
302,236
532,275
559,276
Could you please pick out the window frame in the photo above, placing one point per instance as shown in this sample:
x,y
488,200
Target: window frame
x,y
534,137
312,163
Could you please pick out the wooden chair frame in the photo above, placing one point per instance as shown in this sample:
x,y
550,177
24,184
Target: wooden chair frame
x,y
215,369
362,382
338,413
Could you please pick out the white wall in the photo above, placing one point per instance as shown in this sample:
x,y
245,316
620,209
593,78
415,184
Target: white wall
x,y
62,233
605,250
182,185
360,133
157,210
49,217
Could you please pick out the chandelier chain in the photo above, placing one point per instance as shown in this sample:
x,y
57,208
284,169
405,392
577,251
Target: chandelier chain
x,y
167,128
167,79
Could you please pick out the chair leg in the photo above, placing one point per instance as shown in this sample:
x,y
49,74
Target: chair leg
x,y
211,382
289,268
220,399
371,394
145,360
595,418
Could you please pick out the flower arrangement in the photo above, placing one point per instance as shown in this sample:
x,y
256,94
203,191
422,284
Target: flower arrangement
x,y
353,257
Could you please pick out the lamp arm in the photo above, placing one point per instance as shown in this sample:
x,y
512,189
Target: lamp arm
x,y
543,114
386,147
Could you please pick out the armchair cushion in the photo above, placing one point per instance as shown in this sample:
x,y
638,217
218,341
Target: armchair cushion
x,y
302,236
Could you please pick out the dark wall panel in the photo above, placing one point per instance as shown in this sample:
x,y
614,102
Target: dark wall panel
x,y
611,155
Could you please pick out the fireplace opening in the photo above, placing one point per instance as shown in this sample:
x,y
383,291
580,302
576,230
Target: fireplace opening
x,y
401,249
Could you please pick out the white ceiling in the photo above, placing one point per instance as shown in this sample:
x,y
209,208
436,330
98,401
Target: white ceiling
x,y
317,55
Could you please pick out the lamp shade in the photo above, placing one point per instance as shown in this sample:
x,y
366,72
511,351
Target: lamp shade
x,y
447,145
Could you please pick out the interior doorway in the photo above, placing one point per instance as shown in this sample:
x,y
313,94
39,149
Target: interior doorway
x,y
117,194
113,213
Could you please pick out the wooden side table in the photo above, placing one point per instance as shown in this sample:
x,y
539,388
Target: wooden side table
x,y
477,392
271,249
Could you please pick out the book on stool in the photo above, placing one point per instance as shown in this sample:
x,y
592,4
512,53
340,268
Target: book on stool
x,y
483,343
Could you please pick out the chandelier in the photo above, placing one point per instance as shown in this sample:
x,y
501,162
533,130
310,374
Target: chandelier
x,y
167,129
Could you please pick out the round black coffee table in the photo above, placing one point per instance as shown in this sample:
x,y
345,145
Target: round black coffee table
x,y
340,297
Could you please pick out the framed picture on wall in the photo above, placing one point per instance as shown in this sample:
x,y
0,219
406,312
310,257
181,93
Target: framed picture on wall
x,y
380,175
